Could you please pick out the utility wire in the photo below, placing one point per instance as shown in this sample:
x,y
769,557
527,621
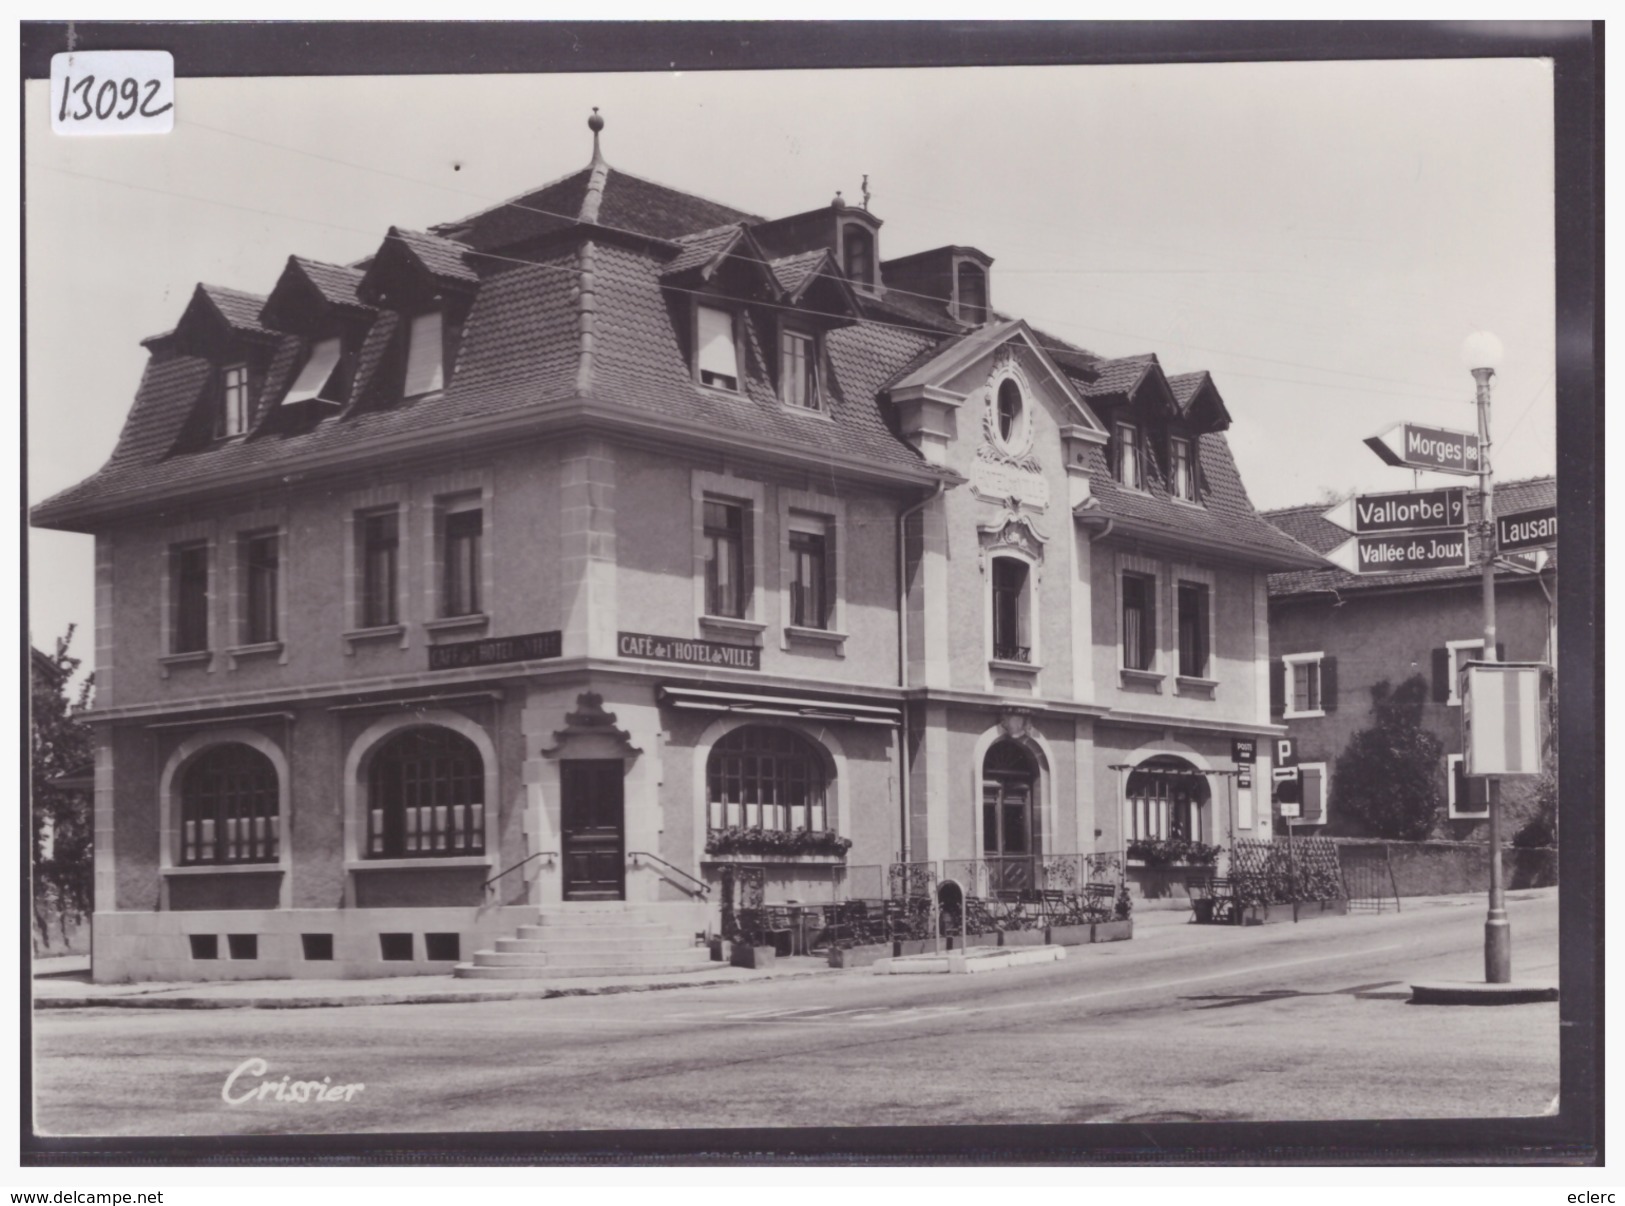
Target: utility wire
x,y
933,332
514,203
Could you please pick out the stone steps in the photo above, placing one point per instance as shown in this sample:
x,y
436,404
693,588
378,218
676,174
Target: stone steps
x,y
609,938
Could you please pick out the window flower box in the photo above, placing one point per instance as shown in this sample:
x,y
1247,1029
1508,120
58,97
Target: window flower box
x,y
775,845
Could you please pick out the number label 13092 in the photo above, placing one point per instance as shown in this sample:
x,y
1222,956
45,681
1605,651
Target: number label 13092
x,y
113,92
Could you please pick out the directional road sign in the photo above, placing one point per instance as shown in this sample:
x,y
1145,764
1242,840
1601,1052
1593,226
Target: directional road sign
x,y
1526,529
1531,562
1284,774
1401,554
1406,511
1419,447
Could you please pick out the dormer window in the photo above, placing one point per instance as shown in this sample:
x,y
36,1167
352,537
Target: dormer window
x,y
425,356
858,255
234,400
1128,455
717,361
972,294
318,372
1181,469
798,369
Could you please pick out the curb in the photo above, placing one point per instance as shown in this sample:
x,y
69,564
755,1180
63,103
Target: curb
x,y
421,998
1476,992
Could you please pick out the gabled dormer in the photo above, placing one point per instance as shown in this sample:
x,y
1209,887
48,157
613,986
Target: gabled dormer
x,y
321,305
851,235
222,326
1155,424
423,287
957,279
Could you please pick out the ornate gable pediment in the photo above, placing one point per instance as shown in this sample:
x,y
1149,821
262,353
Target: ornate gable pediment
x,y
591,732
1012,532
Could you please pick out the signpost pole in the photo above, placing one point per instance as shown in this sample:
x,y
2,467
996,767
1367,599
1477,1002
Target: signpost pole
x,y
1497,929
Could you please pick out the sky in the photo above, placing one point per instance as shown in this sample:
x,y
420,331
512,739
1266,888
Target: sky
x,y
1321,237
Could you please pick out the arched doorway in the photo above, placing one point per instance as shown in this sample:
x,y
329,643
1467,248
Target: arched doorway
x,y
1167,800
1012,834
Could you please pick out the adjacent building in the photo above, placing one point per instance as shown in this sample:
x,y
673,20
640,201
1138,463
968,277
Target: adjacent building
x,y
1335,634
541,562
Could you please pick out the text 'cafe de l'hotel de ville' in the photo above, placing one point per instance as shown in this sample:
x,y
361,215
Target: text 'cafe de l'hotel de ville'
x,y
538,560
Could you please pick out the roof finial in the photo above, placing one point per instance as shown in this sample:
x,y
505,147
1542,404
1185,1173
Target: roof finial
x,y
866,192
595,124
839,202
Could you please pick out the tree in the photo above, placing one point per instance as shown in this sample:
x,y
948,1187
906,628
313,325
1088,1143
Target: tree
x,y
1387,776
60,744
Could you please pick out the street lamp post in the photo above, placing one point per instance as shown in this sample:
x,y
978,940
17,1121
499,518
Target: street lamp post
x,y
1481,352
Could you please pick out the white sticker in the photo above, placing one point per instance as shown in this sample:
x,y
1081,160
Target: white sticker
x,y
113,92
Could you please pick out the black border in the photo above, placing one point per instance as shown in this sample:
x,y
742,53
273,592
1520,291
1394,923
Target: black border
x,y
1574,1135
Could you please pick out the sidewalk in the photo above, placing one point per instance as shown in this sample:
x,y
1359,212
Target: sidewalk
x,y
63,982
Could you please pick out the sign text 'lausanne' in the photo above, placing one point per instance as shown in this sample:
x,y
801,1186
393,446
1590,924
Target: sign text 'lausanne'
x,y
1418,447
689,651
532,646
1526,529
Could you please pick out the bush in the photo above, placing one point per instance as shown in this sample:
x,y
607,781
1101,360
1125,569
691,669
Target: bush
x,y
1387,776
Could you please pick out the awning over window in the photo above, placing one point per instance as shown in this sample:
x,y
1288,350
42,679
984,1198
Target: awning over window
x,y
313,378
800,707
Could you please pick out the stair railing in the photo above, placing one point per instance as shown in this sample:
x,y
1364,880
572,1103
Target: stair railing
x,y
519,864
700,888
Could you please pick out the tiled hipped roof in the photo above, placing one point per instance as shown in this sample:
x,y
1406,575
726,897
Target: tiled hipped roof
x,y
1225,516
521,346
1309,525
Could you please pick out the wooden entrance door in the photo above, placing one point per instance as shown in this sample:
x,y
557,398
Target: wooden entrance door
x,y
593,808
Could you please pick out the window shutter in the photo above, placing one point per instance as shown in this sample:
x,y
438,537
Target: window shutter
x,y
1314,797
1328,684
1277,686
424,356
717,352
1441,676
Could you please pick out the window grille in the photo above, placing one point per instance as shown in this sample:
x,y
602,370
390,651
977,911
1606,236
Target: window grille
x,y
229,807
763,776
426,797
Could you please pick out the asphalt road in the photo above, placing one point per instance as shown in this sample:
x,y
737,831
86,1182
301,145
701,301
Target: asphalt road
x,y
1184,1023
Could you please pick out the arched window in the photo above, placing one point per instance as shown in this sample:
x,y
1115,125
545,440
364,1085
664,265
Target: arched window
x,y
1165,796
858,251
1010,411
768,777
972,294
1011,830
426,796
229,807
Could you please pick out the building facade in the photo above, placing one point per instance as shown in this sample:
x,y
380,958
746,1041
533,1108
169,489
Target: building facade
x,y
1334,635
543,562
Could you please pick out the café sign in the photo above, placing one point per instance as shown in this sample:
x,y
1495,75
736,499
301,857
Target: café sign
x,y
532,646
688,651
